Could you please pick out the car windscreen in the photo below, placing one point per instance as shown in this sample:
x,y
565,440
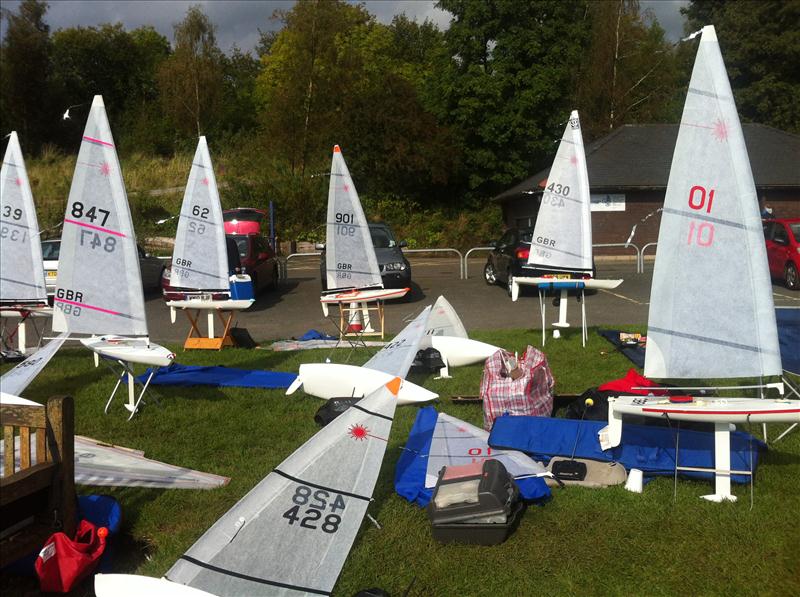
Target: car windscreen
x,y
525,236
51,250
795,228
381,238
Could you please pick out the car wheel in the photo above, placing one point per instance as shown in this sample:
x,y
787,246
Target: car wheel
x,y
489,274
791,277
274,279
509,278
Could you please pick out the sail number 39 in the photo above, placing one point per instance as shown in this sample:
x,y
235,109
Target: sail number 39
x,y
701,234
309,506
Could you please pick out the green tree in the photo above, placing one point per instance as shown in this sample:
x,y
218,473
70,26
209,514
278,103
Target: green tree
x,y
238,110
760,44
24,72
629,72
507,82
190,80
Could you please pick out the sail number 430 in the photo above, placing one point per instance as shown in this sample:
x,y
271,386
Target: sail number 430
x,y
701,234
309,506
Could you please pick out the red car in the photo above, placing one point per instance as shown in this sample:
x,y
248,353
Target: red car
x,y
245,220
783,250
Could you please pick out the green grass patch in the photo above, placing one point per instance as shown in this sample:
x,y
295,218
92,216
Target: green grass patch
x,y
588,542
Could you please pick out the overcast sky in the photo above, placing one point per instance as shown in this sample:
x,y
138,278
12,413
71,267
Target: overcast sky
x,y
238,21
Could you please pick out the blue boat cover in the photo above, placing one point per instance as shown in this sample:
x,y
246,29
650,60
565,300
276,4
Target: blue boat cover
x,y
190,375
650,448
788,320
409,475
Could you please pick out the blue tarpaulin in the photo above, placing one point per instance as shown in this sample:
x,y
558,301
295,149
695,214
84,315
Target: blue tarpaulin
x,y
189,375
634,352
409,475
649,448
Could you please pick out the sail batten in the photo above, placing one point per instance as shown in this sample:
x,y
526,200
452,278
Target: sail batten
x,y
20,248
711,310
350,260
99,281
562,235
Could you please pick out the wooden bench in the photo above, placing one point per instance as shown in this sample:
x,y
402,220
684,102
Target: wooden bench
x,y
37,498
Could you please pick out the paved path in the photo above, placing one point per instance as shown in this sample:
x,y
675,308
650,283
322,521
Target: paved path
x,y
293,308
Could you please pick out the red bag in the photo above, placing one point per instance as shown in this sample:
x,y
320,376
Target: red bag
x,y
64,562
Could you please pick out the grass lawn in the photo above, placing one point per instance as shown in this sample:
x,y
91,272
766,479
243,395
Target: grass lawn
x,y
584,541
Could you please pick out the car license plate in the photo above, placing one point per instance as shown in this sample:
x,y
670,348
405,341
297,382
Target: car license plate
x,y
51,274
200,297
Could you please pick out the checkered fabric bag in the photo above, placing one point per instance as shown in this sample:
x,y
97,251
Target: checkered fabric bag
x,y
531,393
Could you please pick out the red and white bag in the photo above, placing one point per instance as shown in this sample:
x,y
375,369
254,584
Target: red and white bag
x,y
516,388
64,562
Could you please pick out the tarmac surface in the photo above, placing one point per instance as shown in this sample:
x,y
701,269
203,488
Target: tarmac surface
x,y
293,308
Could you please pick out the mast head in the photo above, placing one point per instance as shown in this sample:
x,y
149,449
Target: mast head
x,y
336,149
98,101
394,386
709,33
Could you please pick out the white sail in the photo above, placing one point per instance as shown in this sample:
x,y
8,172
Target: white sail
x,y
350,260
444,321
456,442
292,532
99,283
21,266
562,236
17,379
711,308
396,357
200,259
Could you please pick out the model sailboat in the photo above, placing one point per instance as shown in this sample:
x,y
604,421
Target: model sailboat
x,y
711,309
351,267
22,287
291,534
562,237
333,380
99,288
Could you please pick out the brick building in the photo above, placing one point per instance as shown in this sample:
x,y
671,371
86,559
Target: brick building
x,y
628,172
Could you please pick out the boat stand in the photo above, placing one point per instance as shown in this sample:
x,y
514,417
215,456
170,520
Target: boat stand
x,y
562,309
196,340
722,466
20,330
127,370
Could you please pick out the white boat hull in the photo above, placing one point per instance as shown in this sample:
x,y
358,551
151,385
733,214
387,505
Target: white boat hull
x,y
332,380
131,585
460,352
587,283
130,350
227,305
21,311
362,296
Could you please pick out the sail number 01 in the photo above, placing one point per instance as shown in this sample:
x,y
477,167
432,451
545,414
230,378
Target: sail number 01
x,y
701,234
313,505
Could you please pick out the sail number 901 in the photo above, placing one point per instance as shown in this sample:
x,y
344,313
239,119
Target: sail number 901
x,y
313,504
343,223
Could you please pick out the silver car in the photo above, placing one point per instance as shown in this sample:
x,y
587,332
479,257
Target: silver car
x,y
150,266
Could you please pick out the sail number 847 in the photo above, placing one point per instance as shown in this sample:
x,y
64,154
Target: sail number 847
x,y
309,506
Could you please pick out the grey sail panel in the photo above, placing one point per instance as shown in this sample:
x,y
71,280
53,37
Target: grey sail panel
x,y
17,379
99,283
292,532
444,321
21,266
396,357
200,259
350,260
711,265
562,236
456,442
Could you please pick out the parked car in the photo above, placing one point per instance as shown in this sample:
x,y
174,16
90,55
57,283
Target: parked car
x,y
783,250
509,258
258,260
395,268
245,220
151,267
248,254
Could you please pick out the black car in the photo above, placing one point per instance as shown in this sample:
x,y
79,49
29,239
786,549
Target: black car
x,y
509,258
395,268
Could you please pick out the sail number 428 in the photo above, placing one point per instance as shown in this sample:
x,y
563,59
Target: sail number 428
x,y
309,506
701,234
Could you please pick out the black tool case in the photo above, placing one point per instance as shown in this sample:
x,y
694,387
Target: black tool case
x,y
475,503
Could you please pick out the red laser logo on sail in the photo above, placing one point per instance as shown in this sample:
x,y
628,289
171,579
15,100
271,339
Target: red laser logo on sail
x,y
720,130
360,433
105,169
